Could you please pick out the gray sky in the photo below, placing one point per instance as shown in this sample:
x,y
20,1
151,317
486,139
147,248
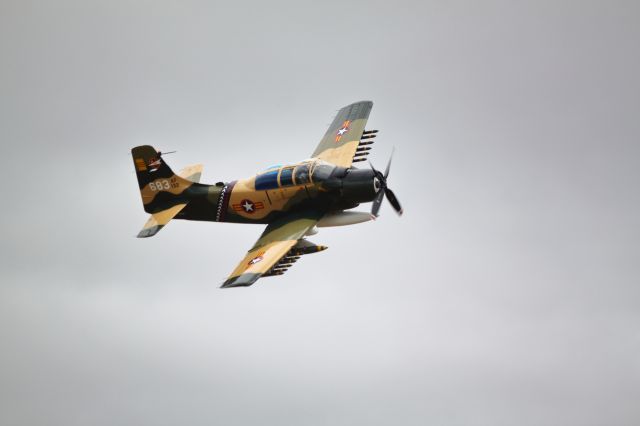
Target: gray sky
x,y
507,293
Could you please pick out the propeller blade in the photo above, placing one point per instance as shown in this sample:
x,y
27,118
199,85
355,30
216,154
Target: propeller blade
x,y
384,190
393,200
386,172
377,202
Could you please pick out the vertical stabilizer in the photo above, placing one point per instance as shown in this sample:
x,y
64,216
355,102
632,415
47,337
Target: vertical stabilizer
x,y
160,188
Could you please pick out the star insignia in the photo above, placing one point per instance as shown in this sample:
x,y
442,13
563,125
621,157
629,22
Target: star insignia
x,y
344,129
247,206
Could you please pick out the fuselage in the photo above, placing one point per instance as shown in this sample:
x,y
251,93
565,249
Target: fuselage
x,y
263,198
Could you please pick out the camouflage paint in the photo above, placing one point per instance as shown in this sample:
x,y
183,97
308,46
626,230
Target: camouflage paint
x,y
289,211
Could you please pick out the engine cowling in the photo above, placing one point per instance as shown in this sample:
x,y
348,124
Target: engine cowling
x,y
360,185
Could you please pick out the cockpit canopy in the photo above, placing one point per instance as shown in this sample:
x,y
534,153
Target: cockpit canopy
x,y
299,174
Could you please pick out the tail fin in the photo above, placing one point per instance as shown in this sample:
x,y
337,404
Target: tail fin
x,y
160,187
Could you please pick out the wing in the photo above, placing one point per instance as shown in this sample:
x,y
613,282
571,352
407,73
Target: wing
x,y
339,144
274,243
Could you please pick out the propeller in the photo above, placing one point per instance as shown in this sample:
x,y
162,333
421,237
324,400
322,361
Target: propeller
x,y
384,190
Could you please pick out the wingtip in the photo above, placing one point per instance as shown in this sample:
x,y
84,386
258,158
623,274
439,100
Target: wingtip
x,y
149,232
364,101
244,280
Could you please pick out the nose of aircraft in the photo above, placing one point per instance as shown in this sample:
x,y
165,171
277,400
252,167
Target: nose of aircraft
x,y
360,185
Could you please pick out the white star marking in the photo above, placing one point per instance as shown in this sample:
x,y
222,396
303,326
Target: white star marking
x,y
342,131
248,207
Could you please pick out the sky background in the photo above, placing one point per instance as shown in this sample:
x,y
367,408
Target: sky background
x,y
507,294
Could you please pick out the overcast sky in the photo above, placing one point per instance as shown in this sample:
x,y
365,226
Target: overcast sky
x,y
507,294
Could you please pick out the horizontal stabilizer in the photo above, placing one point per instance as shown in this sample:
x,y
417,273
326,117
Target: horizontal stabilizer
x,y
191,173
158,220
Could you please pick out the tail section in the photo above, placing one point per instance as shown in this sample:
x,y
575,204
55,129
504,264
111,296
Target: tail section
x,y
160,187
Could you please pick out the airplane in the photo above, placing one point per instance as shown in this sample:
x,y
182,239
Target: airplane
x,y
292,200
